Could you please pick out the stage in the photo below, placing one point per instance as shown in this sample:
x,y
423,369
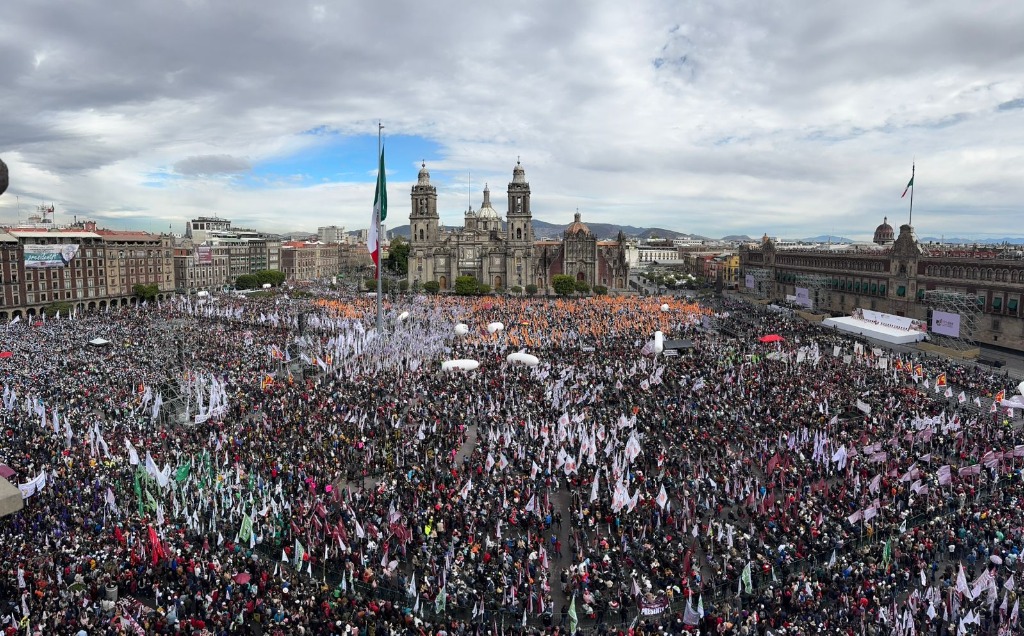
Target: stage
x,y
874,331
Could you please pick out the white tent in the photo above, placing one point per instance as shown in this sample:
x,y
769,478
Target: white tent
x,y
99,342
11,500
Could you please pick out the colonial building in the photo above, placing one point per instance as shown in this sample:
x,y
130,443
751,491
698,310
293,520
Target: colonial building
x,y
579,254
213,254
85,267
893,275
504,255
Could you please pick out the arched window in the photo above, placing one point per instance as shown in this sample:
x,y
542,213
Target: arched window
x,y
519,233
422,234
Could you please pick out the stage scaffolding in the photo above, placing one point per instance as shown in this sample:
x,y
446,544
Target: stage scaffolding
x,y
818,288
764,284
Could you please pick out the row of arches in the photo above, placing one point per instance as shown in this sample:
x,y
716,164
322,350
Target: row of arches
x,y
975,273
81,307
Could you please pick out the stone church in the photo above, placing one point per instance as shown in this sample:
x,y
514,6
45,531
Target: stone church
x,y
505,254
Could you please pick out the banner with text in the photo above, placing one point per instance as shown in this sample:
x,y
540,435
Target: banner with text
x,y
749,280
946,324
57,255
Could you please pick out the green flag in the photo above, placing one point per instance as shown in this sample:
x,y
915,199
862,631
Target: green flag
x,y
182,473
246,532
748,584
138,492
442,601
573,619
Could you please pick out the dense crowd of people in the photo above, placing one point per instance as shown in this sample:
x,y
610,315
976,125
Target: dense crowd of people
x,y
278,466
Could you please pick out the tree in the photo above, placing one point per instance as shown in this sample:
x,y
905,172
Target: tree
x,y
531,289
247,281
370,284
145,292
582,287
564,285
431,286
63,307
398,256
403,285
483,289
516,289
600,290
272,276
466,286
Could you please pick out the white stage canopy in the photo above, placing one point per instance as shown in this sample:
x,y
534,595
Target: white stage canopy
x,y
874,331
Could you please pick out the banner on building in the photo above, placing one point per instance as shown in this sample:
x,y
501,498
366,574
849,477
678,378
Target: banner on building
x,y
204,254
803,297
946,324
56,255
749,281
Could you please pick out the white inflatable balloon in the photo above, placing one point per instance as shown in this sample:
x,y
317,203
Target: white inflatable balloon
x,y
1020,388
659,342
495,327
461,329
403,315
521,357
664,307
460,365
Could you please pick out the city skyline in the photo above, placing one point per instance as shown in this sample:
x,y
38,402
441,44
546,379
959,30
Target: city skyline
x,y
787,119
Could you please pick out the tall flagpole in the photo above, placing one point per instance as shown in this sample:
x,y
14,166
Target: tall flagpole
x,y
376,220
911,221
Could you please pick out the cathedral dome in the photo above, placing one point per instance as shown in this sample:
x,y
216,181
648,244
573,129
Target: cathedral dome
x,y
577,227
486,210
884,234
424,176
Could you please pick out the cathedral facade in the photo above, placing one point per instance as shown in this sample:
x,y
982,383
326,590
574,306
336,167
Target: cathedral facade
x,y
504,255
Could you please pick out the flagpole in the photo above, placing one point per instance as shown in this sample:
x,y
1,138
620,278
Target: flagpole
x,y
376,220
910,222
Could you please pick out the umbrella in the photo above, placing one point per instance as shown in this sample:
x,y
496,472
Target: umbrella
x,y
6,471
772,337
242,578
995,558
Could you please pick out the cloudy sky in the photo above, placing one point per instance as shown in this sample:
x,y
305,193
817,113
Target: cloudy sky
x,y
730,117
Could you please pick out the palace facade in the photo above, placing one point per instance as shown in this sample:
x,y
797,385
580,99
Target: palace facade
x,y
893,274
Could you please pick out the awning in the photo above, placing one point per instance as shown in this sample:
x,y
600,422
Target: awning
x,y
1012,304
920,294
772,337
11,500
901,291
997,302
881,289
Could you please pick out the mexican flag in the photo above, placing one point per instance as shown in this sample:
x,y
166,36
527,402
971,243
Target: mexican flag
x,y
380,212
909,184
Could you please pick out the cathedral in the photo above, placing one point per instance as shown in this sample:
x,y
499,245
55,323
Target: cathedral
x,y
505,255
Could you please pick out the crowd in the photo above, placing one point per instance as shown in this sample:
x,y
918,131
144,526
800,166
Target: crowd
x,y
278,466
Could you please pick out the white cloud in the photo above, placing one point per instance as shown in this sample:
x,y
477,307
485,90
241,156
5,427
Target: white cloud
x,y
790,118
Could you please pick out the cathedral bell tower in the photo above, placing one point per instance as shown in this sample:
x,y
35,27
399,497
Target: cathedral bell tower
x,y
423,219
424,232
519,230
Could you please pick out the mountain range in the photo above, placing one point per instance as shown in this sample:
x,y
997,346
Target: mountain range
x,y
608,231
603,231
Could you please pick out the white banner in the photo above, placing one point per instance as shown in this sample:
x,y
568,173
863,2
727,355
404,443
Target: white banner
x,y
749,281
946,324
57,255
888,320
803,297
